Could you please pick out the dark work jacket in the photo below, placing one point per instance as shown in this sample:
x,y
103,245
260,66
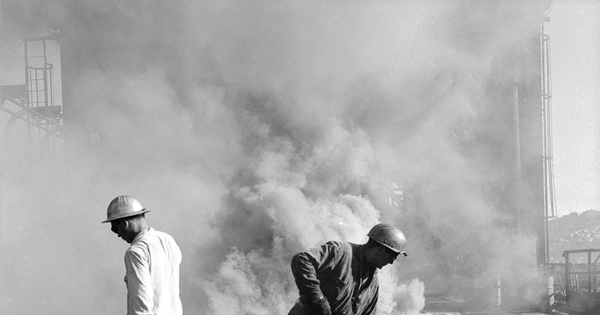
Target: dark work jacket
x,y
340,272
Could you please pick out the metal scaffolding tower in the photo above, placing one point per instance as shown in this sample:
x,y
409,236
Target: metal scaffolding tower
x,y
33,105
548,173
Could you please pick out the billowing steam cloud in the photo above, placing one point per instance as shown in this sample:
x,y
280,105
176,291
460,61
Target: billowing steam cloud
x,y
253,130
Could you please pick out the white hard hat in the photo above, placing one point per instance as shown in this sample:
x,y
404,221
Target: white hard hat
x,y
123,207
389,236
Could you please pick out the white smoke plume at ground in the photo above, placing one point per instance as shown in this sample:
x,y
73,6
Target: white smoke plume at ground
x,y
253,130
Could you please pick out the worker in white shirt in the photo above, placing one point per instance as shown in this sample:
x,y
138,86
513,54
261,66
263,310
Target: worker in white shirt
x,y
151,261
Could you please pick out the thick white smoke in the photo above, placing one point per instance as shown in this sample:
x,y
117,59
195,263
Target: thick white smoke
x,y
253,130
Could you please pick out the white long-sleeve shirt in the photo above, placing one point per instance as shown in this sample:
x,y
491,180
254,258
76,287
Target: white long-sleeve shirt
x,y
152,278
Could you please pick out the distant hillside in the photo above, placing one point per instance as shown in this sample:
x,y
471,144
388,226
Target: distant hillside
x,y
574,231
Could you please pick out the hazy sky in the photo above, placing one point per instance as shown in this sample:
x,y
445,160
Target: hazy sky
x,y
574,30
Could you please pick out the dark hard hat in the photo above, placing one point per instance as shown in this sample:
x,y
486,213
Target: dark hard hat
x,y
389,236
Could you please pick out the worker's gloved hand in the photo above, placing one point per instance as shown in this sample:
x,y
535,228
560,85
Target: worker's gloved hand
x,y
320,307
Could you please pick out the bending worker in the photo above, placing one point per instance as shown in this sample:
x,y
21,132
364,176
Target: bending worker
x,y
151,261
340,278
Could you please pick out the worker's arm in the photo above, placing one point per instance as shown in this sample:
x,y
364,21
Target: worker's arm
x,y
139,284
306,266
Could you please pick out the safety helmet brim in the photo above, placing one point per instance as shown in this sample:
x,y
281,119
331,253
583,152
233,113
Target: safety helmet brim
x,y
126,215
